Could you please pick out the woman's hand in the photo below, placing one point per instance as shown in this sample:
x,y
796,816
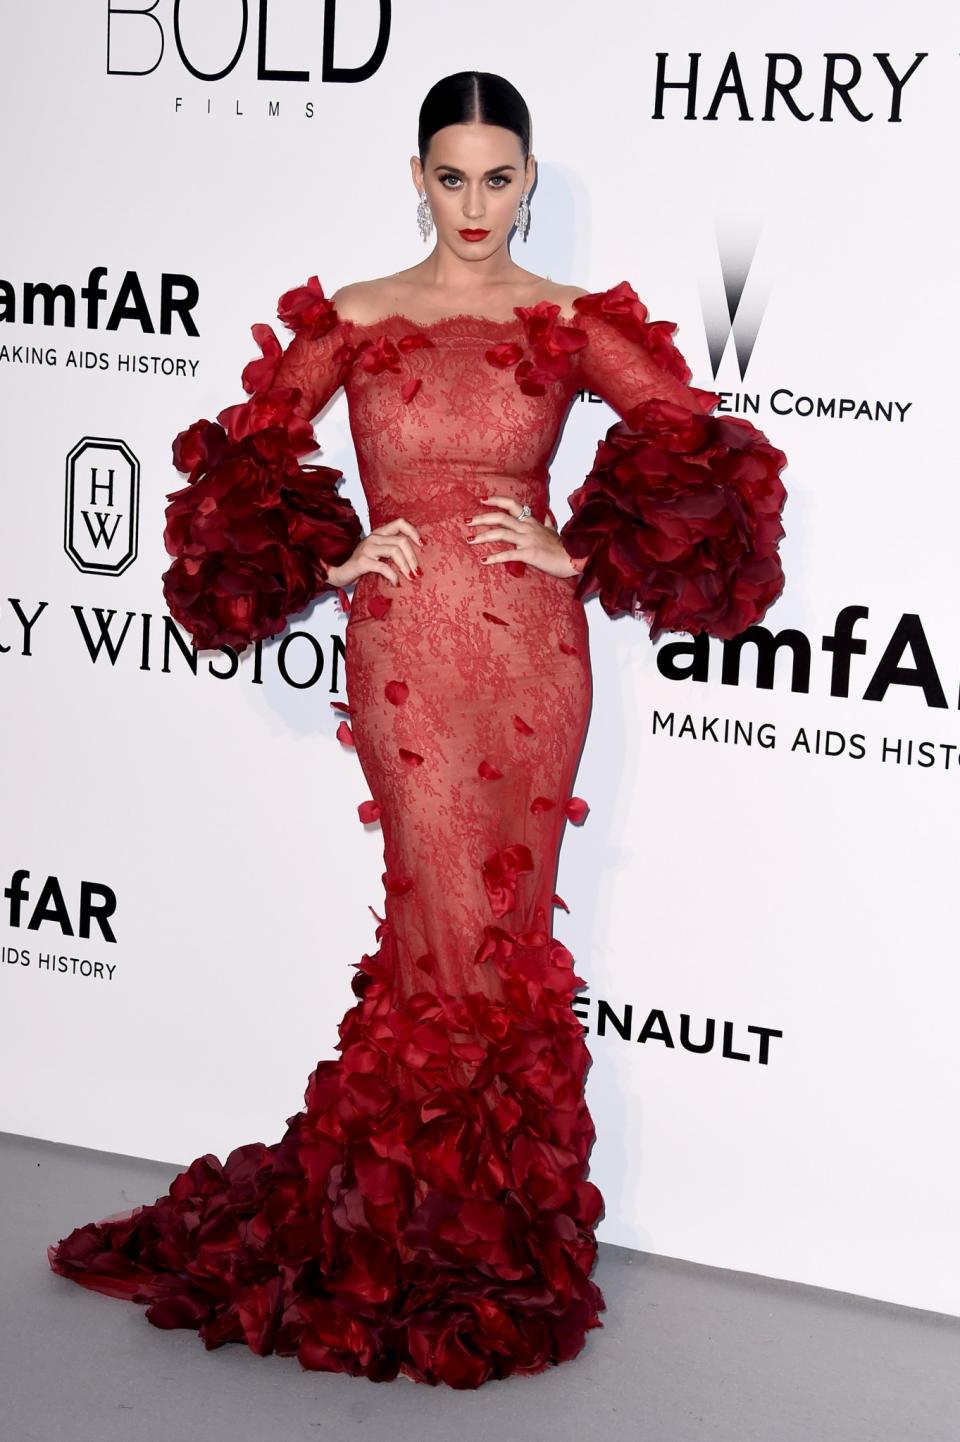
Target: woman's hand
x,y
531,541
393,541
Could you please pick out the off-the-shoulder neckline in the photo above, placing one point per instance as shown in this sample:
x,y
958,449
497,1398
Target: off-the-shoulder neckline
x,y
455,319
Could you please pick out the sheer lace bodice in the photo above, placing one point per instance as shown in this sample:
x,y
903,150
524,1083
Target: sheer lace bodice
x,y
439,410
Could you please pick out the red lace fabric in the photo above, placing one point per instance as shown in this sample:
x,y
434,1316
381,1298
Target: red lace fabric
x,y
429,1209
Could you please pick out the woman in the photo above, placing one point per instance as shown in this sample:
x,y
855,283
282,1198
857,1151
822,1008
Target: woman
x,y
428,1213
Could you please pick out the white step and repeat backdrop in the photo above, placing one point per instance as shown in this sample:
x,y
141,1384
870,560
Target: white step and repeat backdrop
x,y
762,897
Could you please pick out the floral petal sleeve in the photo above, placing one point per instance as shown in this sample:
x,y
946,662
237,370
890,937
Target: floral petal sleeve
x,y
254,530
679,518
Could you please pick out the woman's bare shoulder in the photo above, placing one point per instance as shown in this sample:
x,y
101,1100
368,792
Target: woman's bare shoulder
x,y
542,288
366,301
565,295
360,300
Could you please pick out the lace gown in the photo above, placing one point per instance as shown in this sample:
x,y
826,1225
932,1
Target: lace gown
x,y
429,1208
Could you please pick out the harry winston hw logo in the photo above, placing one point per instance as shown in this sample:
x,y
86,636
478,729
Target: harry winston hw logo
x,y
102,506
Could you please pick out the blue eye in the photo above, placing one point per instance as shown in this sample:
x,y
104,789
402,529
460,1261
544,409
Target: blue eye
x,y
445,178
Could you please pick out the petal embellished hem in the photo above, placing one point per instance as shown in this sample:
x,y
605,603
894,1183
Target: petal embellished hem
x,y
427,1211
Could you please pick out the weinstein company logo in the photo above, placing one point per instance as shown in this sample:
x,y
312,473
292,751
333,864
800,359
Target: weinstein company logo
x,y
736,316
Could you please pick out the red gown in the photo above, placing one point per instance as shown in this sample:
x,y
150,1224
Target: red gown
x,y
429,1208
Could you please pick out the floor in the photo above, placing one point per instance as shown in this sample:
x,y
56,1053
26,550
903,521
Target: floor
x,y
687,1354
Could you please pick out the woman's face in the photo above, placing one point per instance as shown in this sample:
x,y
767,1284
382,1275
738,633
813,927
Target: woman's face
x,y
474,176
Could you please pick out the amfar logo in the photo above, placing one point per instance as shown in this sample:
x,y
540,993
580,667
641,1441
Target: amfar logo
x,y
96,902
46,304
832,89
50,912
906,659
101,506
136,41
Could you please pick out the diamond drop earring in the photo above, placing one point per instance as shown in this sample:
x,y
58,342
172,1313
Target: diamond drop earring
x,y
424,216
523,217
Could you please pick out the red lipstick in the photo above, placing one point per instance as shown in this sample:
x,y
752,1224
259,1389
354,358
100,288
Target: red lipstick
x,y
473,234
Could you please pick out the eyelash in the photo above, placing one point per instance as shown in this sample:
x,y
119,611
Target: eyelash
x,y
504,178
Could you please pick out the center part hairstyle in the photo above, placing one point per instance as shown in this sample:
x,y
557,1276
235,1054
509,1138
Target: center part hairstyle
x,y
470,96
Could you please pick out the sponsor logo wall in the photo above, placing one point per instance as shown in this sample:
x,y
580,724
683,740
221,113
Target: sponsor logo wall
x,y
761,896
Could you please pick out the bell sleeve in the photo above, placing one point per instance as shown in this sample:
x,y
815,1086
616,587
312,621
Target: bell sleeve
x,y
254,531
678,520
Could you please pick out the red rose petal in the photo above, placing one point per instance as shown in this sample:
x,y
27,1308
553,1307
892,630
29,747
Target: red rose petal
x,y
379,605
489,616
377,356
396,692
368,811
258,374
522,726
541,803
397,885
345,735
416,340
412,758
340,706
500,872
410,387
529,386
567,649
505,355
516,568
488,771
576,809
306,305
559,901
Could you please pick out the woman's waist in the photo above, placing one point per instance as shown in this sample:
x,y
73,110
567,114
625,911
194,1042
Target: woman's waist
x,y
455,581
422,499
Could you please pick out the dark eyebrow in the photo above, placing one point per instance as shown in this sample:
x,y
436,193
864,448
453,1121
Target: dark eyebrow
x,y
494,171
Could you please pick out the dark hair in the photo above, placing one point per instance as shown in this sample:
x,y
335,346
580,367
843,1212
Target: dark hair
x,y
473,95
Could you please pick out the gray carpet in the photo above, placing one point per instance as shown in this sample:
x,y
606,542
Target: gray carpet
x,y
686,1352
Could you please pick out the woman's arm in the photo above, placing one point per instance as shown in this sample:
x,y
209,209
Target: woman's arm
x,y
255,531
679,518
